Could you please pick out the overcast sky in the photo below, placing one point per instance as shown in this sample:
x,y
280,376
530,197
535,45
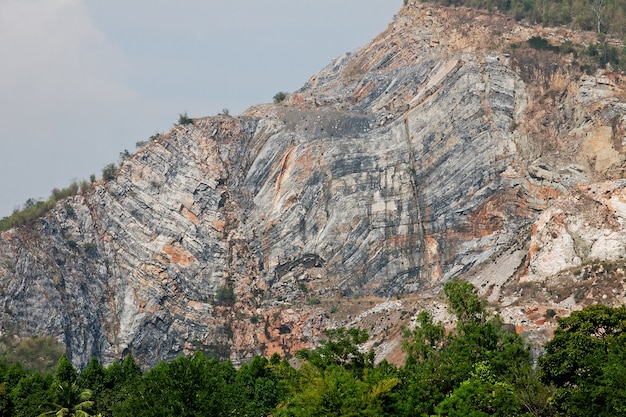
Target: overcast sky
x,y
82,80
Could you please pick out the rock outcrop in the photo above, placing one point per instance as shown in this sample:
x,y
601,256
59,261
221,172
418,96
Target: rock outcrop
x,y
441,149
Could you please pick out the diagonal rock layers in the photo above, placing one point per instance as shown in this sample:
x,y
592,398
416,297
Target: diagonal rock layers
x,y
433,152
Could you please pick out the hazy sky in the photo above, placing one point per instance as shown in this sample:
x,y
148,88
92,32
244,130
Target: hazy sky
x,y
82,80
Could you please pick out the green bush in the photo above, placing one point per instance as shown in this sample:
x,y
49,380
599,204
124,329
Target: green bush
x,y
568,47
91,248
314,301
124,155
34,209
225,296
279,97
108,172
183,119
604,54
542,44
65,192
69,210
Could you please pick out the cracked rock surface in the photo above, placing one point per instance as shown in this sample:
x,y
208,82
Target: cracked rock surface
x,y
435,151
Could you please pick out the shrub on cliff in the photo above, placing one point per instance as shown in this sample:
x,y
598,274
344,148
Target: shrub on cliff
x,y
280,97
183,119
542,44
33,209
108,172
225,296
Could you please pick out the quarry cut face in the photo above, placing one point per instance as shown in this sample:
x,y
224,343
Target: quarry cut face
x,y
431,153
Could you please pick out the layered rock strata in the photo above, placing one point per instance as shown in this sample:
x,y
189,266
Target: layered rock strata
x,y
438,150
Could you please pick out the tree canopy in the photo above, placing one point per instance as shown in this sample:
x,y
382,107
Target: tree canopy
x,y
586,362
475,369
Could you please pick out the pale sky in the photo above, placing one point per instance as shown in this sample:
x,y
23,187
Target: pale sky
x,y
82,80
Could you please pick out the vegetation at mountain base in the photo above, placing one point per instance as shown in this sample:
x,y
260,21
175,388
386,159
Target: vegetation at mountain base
x,y
34,353
586,362
478,368
71,401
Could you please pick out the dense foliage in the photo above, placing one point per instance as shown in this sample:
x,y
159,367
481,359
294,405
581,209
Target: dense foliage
x,y
586,361
477,369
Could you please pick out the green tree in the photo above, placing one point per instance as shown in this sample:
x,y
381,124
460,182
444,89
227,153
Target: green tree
x,y
6,405
280,97
130,368
193,386
466,305
342,349
9,377
183,119
531,393
120,383
438,363
585,362
65,371
71,401
108,172
481,395
336,391
93,378
12,373
257,388
30,393
424,340
338,379
124,155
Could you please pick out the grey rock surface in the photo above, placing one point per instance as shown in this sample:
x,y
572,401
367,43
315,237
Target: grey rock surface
x,y
417,158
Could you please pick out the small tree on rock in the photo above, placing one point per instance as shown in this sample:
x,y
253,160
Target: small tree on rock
x,y
280,97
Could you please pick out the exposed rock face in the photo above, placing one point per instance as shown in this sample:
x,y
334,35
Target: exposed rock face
x,y
432,152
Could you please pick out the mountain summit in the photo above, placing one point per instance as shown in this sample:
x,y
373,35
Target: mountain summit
x,y
447,147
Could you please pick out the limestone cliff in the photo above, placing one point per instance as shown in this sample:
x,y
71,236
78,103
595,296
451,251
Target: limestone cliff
x,y
440,149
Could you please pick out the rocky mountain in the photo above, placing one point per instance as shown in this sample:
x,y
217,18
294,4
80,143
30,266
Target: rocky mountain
x,y
446,147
